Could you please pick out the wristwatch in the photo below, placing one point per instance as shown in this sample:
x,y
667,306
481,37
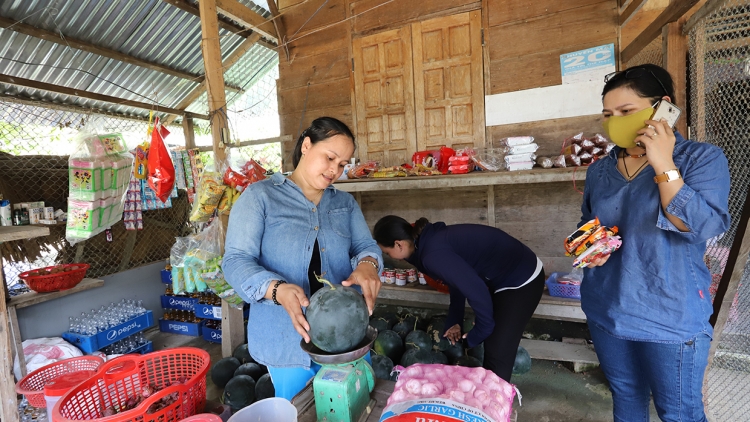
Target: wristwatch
x,y
668,176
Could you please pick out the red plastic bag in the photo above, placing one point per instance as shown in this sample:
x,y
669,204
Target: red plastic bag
x,y
160,168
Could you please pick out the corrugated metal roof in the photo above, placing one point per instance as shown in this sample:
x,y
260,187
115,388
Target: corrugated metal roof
x,y
151,30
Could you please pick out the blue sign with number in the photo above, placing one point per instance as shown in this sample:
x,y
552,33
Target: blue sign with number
x,y
586,60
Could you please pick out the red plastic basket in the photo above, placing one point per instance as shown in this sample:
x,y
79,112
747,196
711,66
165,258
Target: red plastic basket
x,y
67,279
436,284
125,377
203,417
32,385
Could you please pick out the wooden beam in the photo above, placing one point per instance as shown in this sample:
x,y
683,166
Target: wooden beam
x,y
93,96
708,8
629,11
247,17
233,58
282,138
217,102
54,37
672,13
278,24
189,131
674,53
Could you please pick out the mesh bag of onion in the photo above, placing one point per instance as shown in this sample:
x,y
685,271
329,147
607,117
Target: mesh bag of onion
x,y
450,394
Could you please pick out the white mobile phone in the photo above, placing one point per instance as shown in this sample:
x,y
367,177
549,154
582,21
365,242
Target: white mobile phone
x,y
667,111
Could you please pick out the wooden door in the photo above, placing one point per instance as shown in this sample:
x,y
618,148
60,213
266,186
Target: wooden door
x,y
384,96
449,81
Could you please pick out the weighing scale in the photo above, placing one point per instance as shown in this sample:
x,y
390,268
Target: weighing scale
x,y
343,385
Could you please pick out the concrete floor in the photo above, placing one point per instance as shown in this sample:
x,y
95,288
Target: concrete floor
x,y
551,392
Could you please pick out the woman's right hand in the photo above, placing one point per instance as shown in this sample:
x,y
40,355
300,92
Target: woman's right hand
x,y
292,298
599,261
453,334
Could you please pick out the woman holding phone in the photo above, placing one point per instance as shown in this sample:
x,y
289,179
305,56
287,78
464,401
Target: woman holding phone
x,y
648,305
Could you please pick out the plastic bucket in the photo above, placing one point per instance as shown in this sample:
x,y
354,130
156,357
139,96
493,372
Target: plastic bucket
x,y
274,409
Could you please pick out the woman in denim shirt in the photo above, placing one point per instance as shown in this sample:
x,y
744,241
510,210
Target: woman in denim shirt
x,y
648,304
284,230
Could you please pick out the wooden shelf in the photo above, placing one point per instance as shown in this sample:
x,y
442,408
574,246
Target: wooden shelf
x,y
484,178
11,233
33,298
550,307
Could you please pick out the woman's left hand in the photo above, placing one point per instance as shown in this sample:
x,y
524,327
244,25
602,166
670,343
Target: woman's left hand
x,y
658,139
453,334
369,280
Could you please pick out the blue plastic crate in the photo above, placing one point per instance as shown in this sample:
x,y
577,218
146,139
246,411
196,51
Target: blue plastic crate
x,y
98,341
146,348
211,335
182,303
214,312
166,276
176,327
570,291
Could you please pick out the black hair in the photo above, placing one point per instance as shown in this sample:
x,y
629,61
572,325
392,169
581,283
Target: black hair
x,y
321,129
647,80
391,228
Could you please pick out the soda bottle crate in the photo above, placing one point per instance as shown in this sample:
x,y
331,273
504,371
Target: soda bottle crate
x,y
182,303
101,340
166,276
211,335
214,312
177,327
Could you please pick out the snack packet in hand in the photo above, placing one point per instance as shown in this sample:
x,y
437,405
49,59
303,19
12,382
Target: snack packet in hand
x,y
598,250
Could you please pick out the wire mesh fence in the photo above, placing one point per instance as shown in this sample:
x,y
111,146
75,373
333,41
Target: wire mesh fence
x,y
719,70
36,140
651,54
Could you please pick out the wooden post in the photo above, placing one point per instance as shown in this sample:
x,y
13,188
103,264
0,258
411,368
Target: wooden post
x,y
189,131
491,206
232,327
8,401
214,76
699,125
674,51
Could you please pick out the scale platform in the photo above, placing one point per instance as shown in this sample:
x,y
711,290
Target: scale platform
x,y
341,389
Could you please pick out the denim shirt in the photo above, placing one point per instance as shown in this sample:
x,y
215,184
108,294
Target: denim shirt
x,y
656,286
271,234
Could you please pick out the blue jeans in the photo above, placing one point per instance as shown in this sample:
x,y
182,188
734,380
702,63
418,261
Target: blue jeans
x,y
671,372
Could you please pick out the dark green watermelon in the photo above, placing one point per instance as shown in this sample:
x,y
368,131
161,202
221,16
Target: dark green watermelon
x,y
223,371
468,361
264,388
252,369
243,354
390,317
338,318
454,352
415,355
379,323
389,344
417,338
382,366
477,352
468,323
239,392
439,357
435,330
522,363
403,328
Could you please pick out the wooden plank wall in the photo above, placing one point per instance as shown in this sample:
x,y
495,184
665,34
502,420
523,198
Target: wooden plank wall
x,y
523,43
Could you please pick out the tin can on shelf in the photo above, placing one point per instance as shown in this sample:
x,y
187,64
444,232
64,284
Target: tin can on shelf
x,y
421,279
401,278
411,275
390,276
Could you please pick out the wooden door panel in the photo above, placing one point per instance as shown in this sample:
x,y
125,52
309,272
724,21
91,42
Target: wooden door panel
x,y
384,93
449,81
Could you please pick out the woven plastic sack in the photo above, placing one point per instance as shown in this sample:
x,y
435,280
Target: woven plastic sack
x,y
449,394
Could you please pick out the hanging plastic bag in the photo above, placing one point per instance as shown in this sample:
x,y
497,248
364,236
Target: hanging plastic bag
x,y
207,197
160,168
177,261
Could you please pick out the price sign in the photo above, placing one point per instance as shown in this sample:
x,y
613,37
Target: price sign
x,y
591,64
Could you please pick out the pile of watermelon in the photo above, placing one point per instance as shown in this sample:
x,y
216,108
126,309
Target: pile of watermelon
x,y
407,339
244,380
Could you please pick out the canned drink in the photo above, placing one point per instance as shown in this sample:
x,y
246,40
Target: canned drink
x,y
421,279
390,277
411,275
382,276
401,279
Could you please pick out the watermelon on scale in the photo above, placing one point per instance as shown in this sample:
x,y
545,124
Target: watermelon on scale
x,y
338,318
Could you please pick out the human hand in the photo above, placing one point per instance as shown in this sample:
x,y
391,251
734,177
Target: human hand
x,y
292,298
658,139
453,334
369,280
598,262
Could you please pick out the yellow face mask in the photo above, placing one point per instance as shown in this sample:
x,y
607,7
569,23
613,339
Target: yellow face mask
x,y
623,130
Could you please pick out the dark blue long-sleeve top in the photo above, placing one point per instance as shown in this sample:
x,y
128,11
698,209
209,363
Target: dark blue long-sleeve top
x,y
475,261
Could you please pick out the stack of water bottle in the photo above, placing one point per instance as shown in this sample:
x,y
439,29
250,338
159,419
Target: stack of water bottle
x,y
113,329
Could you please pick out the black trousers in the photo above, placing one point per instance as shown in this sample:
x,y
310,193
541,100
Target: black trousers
x,y
512,310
